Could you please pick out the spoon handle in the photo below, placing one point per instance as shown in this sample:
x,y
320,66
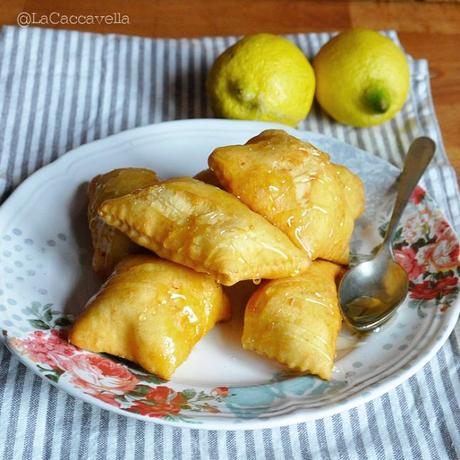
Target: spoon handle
x,y
420,154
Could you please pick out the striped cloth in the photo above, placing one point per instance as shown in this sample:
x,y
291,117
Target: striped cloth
x,y
60,89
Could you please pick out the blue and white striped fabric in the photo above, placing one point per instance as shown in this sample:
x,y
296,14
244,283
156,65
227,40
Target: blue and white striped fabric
x,y
60,89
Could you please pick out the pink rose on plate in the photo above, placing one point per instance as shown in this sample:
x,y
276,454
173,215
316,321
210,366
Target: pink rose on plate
x,y
99,375
415,226
47,347
443,254
406,257
441,227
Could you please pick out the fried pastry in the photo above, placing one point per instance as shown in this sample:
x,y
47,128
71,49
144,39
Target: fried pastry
x,y
208,177
354,190
206,229
152,312
110,245
296,188
296,320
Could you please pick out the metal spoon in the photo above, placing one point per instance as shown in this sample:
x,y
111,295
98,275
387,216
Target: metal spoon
x,y
371,291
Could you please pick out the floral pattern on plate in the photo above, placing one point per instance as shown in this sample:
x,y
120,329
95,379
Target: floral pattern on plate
x,y
106,378
428,250
122,385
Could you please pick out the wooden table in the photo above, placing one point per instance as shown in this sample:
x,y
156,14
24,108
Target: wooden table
x,y
429,30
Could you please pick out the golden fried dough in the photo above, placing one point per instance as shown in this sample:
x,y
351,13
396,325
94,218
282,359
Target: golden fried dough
x,y
296,188
296,320
207,229
110,245
208,177
151,312
354,190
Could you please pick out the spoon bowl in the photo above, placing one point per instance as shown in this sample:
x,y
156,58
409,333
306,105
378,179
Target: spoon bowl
x,y
386,286
370,292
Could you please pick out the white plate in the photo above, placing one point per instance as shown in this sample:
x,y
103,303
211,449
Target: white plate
x,y
46,278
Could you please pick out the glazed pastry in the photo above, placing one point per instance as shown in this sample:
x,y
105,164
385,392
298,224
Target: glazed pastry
x,y
296,320
205,228
152,312
110,245
354,190
208,177
295,187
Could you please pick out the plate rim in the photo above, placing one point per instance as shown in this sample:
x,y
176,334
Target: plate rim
x,y
424,355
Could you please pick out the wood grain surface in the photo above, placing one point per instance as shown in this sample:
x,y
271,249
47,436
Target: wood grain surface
x,y
429,30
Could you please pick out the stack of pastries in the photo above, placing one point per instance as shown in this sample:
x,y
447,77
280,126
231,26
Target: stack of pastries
x,y
275,209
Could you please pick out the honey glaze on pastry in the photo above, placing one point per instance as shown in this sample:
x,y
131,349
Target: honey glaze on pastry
x,y
296,188
152,312
206,229
353,188
296,320
208,177
110,245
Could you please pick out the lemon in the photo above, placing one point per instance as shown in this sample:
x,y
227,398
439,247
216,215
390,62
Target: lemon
x,y
362,78
262,77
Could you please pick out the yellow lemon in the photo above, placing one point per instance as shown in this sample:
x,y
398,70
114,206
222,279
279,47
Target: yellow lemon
x,y
262,77
362,78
